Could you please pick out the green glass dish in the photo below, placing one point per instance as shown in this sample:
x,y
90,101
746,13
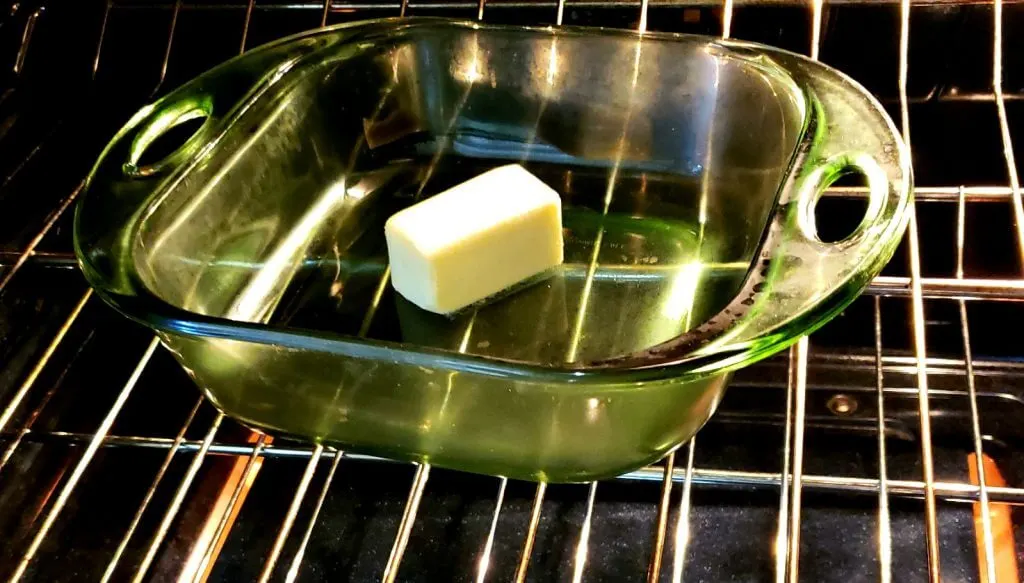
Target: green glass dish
x,y
689,169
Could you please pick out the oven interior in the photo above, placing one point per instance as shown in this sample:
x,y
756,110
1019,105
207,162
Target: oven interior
x,y
885,448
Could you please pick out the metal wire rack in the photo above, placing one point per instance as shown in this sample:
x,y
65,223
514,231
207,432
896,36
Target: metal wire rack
x,y
89,435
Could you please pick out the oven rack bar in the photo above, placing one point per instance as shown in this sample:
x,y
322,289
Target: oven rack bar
x,y
958,492
429,5
964,288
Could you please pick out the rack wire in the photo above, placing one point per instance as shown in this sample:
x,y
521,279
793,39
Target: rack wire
x,y
678,476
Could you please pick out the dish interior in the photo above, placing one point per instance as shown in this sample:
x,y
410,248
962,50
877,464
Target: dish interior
x,y
668,155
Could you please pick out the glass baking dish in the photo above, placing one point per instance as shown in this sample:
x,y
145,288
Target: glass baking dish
x,y
241,217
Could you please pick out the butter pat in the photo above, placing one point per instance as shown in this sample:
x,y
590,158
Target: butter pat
x,y
475,239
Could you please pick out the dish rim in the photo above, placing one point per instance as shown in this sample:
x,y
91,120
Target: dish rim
x,y
146,307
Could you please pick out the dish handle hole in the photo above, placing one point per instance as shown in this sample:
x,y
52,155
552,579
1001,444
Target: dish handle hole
x,y
842,208
166,140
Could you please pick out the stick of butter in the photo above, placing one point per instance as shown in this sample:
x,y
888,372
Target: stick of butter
x,y
475,239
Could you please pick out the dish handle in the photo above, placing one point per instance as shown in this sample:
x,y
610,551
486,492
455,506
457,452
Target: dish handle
x,y
797,282
146,153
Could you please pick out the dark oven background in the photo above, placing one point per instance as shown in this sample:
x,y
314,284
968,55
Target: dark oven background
x,y
112,466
